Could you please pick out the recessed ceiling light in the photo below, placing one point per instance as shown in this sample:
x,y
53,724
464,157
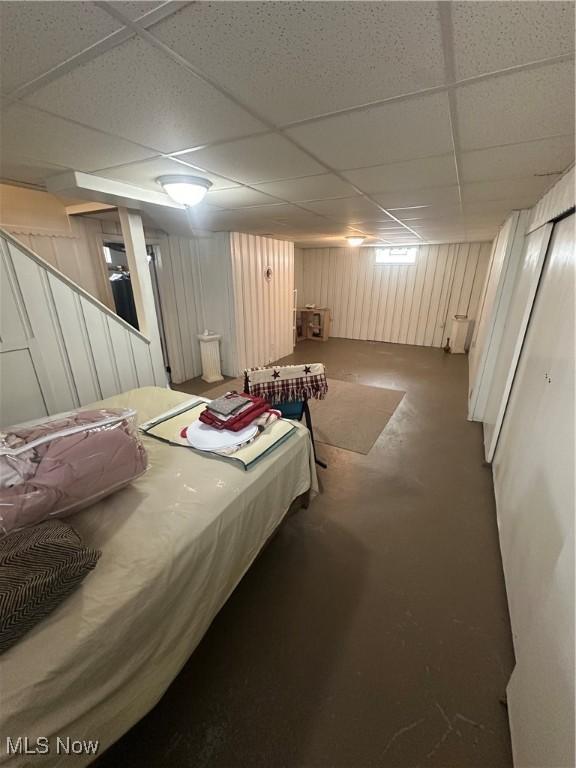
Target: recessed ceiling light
x,y
355,241
186,190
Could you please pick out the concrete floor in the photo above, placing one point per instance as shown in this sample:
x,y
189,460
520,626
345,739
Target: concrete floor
x,y
373,630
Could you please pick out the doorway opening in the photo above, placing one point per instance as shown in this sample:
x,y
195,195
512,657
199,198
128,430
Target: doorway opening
x,y
122,291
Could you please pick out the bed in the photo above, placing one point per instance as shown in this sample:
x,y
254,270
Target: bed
x,y
174,546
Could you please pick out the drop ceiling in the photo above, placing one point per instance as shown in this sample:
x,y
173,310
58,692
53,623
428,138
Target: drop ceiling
x,y
403,121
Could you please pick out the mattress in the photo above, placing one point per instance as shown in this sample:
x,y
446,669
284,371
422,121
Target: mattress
x,y
174,544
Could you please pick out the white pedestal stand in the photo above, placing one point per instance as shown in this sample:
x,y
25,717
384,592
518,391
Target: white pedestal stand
x,y
210,353
460,327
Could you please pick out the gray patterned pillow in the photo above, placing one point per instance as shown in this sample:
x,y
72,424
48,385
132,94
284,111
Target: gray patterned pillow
x,y
39,567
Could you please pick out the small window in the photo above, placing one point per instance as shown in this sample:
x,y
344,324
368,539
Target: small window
x,y
392,256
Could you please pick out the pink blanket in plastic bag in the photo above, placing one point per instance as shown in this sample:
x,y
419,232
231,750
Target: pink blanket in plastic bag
x,y
57,466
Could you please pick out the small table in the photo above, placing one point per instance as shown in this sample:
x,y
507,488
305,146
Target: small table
x,y
314,323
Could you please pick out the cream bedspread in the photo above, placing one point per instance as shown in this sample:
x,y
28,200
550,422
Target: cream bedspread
x,y
174,545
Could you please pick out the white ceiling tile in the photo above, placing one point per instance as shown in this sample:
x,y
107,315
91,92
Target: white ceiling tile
x,y
407,209
381,226
321,187
428,196
306,59
26,169
490,36
258,159
289,215
513,189
201,218
338,233
328,240
224,221
400,232
144,174
412,174
135,9
427,213
410,240
448,230
519,107
27,132
202,213
349,208
270,218
481,235
36,36
283,213
138,93
482,220
380,134
496,207
239,197
517,160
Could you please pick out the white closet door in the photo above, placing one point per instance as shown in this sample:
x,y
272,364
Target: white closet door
x,y
490,323
521,302
534,486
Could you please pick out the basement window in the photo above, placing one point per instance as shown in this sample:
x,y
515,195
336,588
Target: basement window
x,y
395,256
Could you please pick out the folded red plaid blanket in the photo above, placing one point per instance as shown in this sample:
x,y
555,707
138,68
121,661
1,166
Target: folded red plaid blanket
x,y
243,419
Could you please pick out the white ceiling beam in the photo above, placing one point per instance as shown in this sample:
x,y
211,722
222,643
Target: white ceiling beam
x,y
87,186
141,281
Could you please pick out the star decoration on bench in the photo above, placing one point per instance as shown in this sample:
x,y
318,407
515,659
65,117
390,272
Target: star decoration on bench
x,y
276,374
307,369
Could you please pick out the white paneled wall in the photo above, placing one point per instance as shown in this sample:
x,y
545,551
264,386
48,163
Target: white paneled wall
x,y
504,264
59,347
195,282
76,255
263,308
558,200
401,304
179,285
218,283
218,298
519,301
298,273
534,488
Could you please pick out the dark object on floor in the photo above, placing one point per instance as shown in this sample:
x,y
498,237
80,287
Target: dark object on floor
x,y
40,567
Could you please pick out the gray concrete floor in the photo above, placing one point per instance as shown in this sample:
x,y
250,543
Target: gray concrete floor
x,y
373,630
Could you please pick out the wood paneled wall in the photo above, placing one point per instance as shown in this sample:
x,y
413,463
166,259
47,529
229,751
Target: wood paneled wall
x,y
195,278
401,304
218,283
77,255
59,347
263,308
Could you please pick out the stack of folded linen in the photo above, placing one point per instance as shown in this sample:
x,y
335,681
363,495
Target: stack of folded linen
x,y
234,411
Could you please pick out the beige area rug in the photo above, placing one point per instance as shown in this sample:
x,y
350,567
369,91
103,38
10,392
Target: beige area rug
x,y
351,417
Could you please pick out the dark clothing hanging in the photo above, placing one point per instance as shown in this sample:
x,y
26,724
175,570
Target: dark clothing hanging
x,y
124,298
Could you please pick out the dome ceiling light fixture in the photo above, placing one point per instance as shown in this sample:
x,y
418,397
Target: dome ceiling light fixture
x,y
186,190
355,240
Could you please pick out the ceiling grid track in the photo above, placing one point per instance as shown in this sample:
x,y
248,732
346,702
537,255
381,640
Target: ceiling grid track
x,y
445,15
142,27
146,35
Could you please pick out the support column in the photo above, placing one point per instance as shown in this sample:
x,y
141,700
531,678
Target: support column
x,y
135,243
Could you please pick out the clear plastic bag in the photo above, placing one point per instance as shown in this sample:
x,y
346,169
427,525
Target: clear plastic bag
x,y
55,466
